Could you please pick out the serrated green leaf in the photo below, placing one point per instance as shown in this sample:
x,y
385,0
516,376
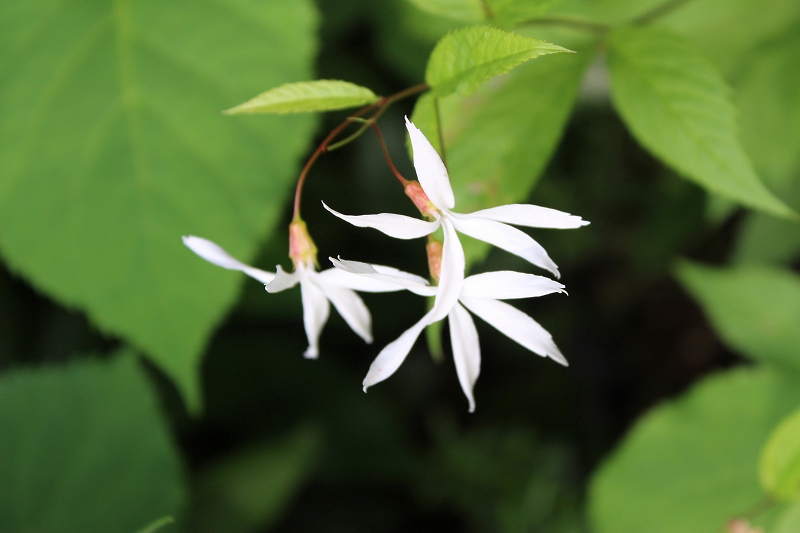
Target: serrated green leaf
x,y
466,58
306,97
768,100
779,468
84,448
499,140
461,10
755,309
679,108
248,490
689,465
112,146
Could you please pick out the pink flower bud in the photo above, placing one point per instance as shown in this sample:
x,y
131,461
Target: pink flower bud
x,y
434,249
302,249
415,191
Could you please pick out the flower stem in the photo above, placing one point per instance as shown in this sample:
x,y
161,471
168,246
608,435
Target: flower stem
x,y
326,145
396,172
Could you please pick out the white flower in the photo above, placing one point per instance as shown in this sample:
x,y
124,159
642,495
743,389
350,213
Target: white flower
x,y
480,294
317,289
433,195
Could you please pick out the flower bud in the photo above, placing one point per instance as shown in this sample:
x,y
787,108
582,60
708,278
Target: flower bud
x,y
302,249
417,194
434,249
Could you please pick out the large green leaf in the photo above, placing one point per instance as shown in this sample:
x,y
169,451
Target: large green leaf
x,y
726,31
307,96
789,521
678,107
248,489
112,146
462,10
467,57
501,140
755,309
779,468
690,465
84,448
768,99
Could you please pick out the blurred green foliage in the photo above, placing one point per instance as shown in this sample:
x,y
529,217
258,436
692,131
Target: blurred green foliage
x,y
112,146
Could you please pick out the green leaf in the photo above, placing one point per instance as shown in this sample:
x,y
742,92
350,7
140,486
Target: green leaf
x,y
307,96
727,31
755,309
85,448
499,141
689,465
764,239
678,107
112,146
157,525
462,10
511,12
467,57
424,117
768,99
789,521
249,489
779,468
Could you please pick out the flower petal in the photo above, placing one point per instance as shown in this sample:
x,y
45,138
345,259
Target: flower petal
x,y
507,284
466,350
393,355
213,253
352,309
384,276
508,238
397,226
532,216
431,172
315,313
451,278
283,280
517,326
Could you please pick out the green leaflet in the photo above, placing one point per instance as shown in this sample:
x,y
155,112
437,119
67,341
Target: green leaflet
x,y
755,309
499,140
248,489
679,108
779,468
789,521
467,57
689,465
84,448
462,10
307,96
112,146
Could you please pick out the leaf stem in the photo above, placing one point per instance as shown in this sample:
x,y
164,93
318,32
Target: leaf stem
x,y
326,145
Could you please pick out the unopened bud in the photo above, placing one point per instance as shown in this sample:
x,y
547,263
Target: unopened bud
x,y
302,249
417,194
434,249
739,525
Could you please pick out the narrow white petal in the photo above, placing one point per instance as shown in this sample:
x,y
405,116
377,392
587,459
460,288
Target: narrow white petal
x,y
517,326
284,280
393,355
397,226
508,238
532,216
352,309
213,253
431,172
466,351
315,313
507,284
385,278
451,278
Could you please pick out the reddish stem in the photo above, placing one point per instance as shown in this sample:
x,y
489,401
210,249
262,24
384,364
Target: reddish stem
x,y
386,155
381,106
